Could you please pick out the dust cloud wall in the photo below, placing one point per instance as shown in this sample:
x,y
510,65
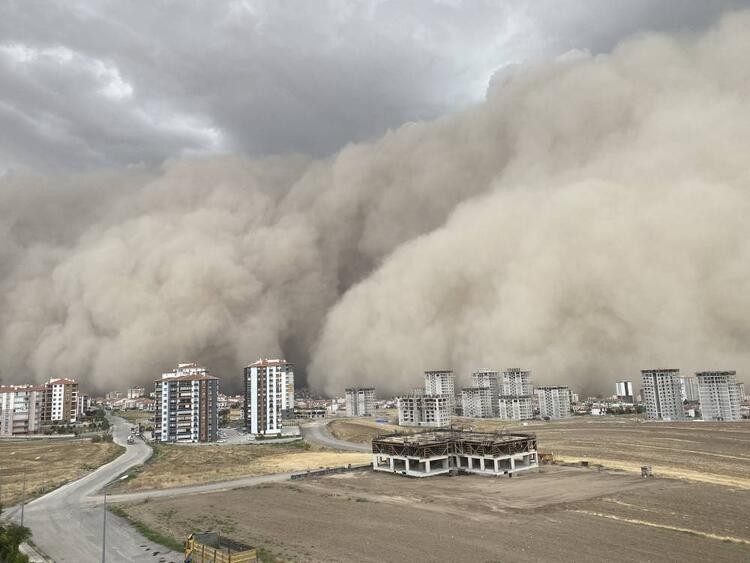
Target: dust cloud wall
x,y
587,220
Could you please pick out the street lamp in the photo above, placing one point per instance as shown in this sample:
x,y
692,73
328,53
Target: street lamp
x,y
104,529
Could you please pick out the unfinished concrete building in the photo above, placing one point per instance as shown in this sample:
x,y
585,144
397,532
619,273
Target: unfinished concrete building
x,y
491,380
554,401
719,395
662,393
515,408
515,401
360,401
477,402
419,409
440,452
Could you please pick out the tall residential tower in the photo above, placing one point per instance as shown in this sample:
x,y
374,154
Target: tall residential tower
x,y
186,405
719,395
662,394
269,395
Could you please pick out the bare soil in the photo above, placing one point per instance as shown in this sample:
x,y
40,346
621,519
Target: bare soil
x,y
711,452
559,514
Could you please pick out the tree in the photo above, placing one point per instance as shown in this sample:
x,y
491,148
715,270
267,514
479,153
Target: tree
x,y
11,537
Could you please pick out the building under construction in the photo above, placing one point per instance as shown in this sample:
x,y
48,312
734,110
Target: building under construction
x,y
443,451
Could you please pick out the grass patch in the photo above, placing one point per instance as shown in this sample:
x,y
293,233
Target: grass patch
x,y
48,464
148,533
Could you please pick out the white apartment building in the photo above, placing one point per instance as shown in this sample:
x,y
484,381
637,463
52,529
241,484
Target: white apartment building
x,y
516,382
21,409
136,392
60,401
360,401
515,408
84,404
186,405
477,402
425,410
741,391
515,401
719,395
624,391
491,380
554,401
689,389
440,383
662,393
269,395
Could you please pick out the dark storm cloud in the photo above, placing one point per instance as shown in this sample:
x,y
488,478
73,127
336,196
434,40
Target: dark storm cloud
x,y
96,84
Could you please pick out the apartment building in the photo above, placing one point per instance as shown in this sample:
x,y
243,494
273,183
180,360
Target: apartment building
x,y
662,393
21,409
441,382
60,403
516,382
515,408
84,404
719,395
554,401
689,389
360,401
624,391
269,395
515,401
136,392
186,405
477,402
491,380
419,409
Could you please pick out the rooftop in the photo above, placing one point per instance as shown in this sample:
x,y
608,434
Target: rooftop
x,y
269,362
440,436
62,381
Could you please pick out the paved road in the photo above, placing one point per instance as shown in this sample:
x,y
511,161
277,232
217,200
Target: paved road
x,y
317,433
67,525
67,522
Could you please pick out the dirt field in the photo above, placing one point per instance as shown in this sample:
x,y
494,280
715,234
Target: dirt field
x,y
362,429
560,514
711,452
135,416
48,464
178,465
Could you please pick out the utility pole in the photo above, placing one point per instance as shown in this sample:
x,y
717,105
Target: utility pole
x,y
104,530
23,495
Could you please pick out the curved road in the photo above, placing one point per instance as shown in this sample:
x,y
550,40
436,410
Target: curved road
x,y
67,522
67,526
317,433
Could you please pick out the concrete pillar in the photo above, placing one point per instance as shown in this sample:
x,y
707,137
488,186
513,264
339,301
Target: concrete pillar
x,y
407,465
512,464
481,463
427,466
495,463
470,461
390,460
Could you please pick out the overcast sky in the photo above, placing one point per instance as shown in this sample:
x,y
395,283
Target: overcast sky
x,y
99,84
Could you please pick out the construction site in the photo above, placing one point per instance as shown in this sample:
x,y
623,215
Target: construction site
x,y
439,452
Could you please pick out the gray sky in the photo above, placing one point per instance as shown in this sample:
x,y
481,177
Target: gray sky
x,y
91,85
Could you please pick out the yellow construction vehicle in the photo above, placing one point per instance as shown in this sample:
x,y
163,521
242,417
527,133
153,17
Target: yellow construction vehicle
x,y
210,547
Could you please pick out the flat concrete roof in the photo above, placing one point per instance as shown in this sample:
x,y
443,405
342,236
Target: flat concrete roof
x,y
438,436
